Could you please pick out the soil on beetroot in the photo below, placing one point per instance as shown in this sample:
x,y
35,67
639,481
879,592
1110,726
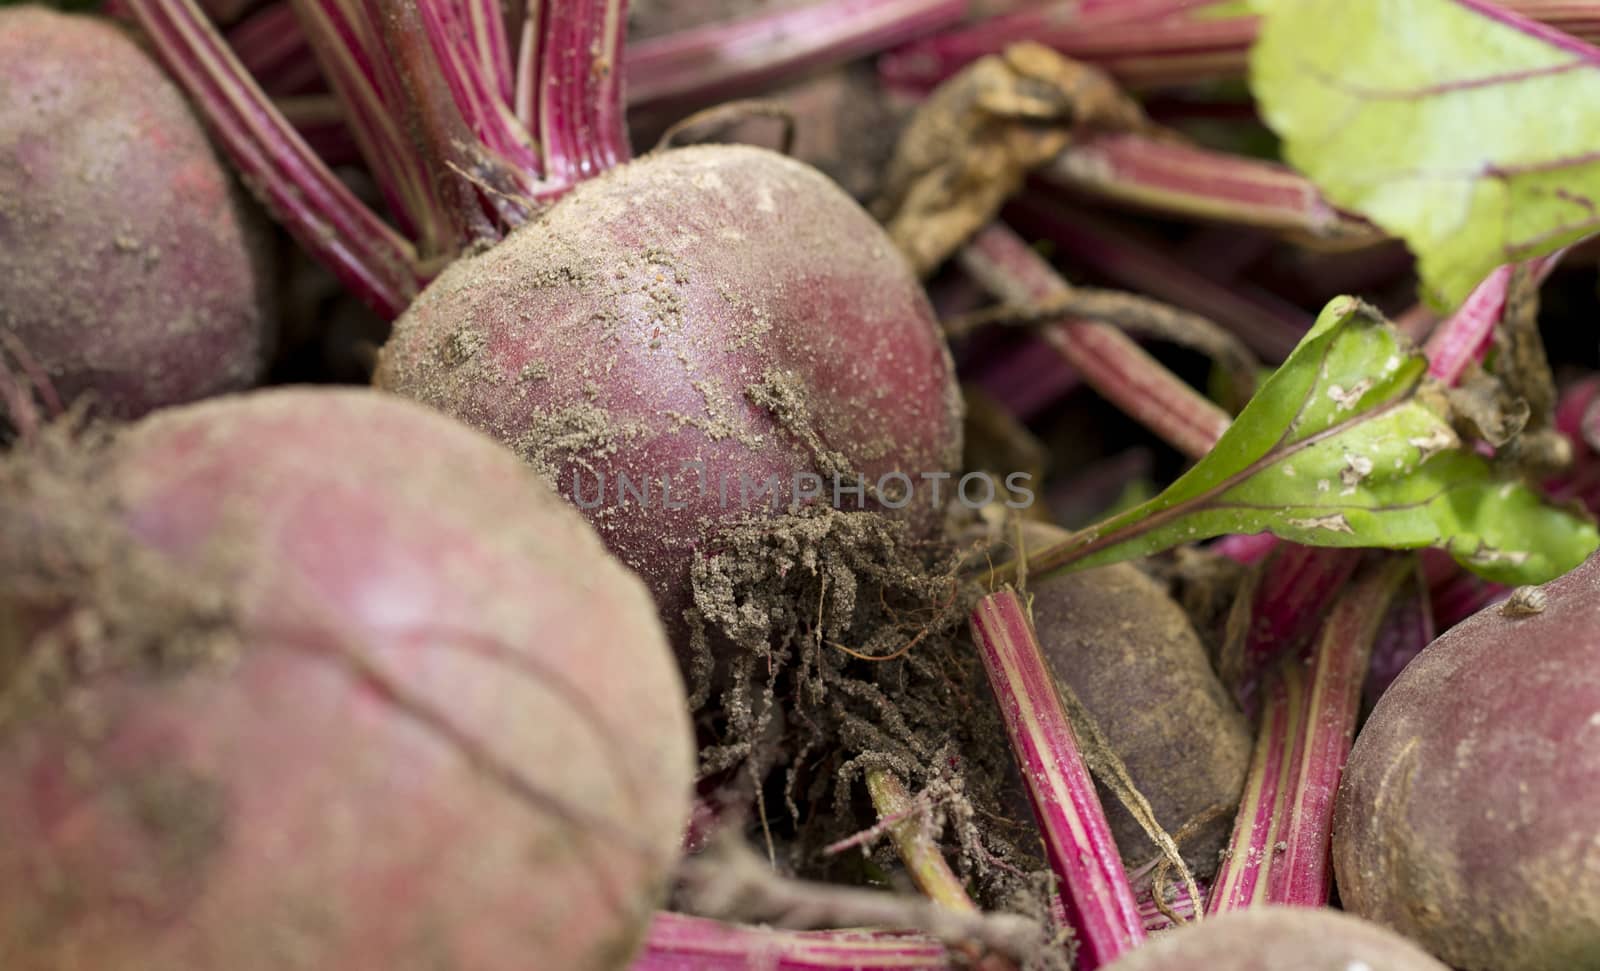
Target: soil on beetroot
x,y
660,324
829,643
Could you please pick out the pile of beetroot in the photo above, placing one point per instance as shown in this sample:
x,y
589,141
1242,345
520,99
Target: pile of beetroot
x,y
687,587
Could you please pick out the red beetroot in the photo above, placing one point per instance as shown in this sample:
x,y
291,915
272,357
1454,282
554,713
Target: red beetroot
x,y
319,679
130,266
1467,817
719,305
1279,939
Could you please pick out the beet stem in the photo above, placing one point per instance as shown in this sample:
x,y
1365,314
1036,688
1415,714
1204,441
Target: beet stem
x,y
1140,42
1240,880
1093,884
681,943
1268,326
1177,908
324,216
920,852
1186,180
1464,336
1298,585
429,92
344,37
1146,43
273,49
1303,875
923,858
569,88
734,58
1110,361
1406,629
474,56
1283,833
478,194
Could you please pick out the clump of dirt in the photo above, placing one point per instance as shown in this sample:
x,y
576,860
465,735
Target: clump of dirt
x,y
828,643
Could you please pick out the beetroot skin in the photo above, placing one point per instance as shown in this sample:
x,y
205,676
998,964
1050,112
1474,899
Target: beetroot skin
x,y
350,688
131,267
1278,939
719,305
1131,656
1469,814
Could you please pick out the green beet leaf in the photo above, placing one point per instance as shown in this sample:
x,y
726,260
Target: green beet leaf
x,y
1349,443
1471,132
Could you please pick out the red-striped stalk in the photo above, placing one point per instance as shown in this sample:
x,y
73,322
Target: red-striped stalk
x,y
464,142
1179,179
1099,903
736,58
1279,853
680,943
1269,326
1108,360
1153,43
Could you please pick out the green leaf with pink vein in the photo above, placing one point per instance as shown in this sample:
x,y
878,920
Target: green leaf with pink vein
x,y
1348,444
1469,131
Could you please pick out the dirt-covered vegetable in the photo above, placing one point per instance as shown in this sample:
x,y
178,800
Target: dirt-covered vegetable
x,y
1130,655
1279,939
694,339
131,267
1466,819
320,679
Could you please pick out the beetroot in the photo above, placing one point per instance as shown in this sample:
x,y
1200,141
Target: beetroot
x,y
1279,939
1130,654
319,679
1467,816
130,266
685,340
718,305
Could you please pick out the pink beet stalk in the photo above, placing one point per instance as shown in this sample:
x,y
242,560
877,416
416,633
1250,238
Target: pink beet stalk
x,y
1093,885
1178,904
1186,180
1406,629
368,256
1302,874
1024,379
1268,326
1298,585
1241,880
1111,362
1464,336
1140,42
273,49
1280,848
680,943
1152,43
464,143
734,59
